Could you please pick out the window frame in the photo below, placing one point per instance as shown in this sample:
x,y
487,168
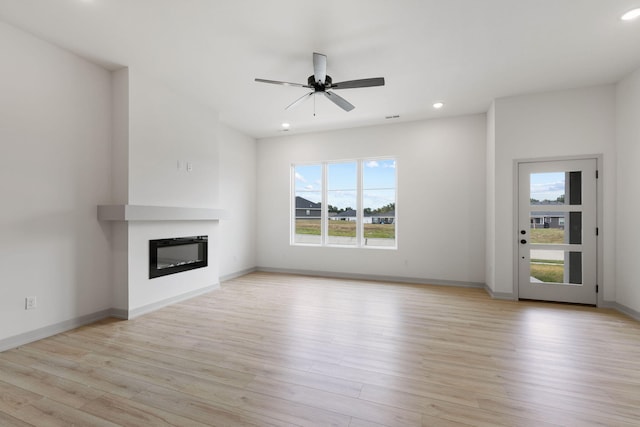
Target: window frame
x,y
360,239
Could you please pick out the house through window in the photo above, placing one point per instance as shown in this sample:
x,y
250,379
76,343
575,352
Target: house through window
x,y
345,204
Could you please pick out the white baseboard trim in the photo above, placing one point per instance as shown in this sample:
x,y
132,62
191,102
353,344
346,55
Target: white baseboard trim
x,y
119,313
47,331
145,309
371,277
622,309
500,295
237,274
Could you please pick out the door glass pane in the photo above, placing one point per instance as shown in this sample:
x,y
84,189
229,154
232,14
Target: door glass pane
x,y
556,188
554,266
550,228
342,179
308,198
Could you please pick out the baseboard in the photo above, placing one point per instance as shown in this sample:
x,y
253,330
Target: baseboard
x,y
500,295
47,331
372,277
622,309
237,274
145,309
119,313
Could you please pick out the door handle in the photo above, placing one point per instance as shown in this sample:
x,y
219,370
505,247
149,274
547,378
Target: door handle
x,y
523,241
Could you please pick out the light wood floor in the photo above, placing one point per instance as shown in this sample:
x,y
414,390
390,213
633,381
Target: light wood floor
x,y
270,349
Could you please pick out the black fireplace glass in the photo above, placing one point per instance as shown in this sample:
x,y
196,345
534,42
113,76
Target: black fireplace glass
x,y
174,255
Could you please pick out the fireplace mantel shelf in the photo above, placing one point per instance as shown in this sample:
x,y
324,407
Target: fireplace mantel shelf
x,y
157,213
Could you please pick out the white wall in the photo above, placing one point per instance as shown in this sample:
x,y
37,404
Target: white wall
x,y
55,133
565,123
628,187
490,247
166,127
167,130
120,186
441,200
238,197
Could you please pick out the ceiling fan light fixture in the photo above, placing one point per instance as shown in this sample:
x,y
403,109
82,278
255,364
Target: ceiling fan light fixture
x,y
438,105
631,15
321,83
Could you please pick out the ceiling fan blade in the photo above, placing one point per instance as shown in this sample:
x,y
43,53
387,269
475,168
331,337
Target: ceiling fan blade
x,y
376,81
319,67
339,101
299,100
276,82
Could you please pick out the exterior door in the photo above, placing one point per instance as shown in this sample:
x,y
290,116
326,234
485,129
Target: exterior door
x,y
557,234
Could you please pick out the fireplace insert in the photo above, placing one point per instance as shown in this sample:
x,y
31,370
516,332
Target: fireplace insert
x,y
174,255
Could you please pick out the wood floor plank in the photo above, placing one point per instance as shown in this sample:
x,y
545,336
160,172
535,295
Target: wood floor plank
x,y
292,412
13,398
357,408
356,422
252,413
543,413
283,350
67,392
49,413
7,420
305,378
127,412
84,373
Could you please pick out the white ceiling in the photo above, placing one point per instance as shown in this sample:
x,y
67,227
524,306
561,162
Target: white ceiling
x,y
462,52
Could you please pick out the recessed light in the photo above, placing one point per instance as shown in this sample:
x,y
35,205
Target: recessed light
x,y
286,126
438,105
632,14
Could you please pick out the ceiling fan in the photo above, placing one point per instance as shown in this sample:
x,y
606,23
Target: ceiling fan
x,y
320,82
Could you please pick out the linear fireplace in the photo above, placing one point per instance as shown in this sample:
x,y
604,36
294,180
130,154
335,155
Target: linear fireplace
x,y
174,255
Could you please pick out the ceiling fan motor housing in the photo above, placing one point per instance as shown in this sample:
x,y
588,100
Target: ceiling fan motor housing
x,y
318,86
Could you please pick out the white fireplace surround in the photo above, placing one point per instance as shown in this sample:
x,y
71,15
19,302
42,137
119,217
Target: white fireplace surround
x,y
157,213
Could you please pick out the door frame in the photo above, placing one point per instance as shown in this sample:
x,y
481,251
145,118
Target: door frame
x,y
599,213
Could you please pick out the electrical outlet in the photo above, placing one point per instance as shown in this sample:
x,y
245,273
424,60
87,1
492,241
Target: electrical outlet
x,y
30,303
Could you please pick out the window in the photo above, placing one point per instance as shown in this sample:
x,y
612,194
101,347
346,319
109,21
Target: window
x,y
307,202
342,197
347,204
379,199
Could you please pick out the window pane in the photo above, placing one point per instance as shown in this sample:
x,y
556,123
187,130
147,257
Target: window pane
x,y
342,184
308,204
379,198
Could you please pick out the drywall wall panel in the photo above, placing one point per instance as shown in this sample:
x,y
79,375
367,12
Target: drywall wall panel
x,y
441,200
55,128
555,124
238,161
627,251
172,161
